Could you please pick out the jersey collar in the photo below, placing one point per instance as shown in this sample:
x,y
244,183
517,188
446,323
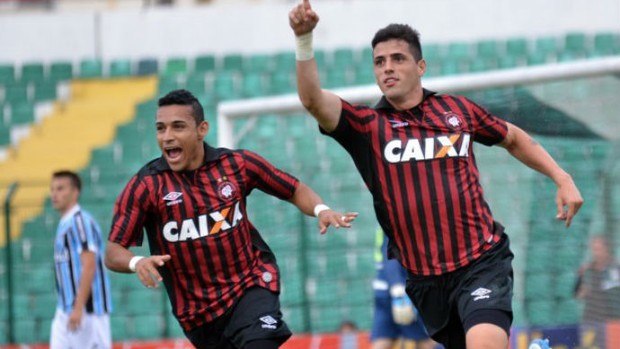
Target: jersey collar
x,y
67,216
384,104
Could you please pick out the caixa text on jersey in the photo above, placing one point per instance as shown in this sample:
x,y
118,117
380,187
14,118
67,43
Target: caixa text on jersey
x,y
203,225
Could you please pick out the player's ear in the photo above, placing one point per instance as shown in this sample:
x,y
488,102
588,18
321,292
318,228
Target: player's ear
x,y
421,66
203,129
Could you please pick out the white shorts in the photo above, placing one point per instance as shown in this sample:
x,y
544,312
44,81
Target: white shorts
x,y
94,332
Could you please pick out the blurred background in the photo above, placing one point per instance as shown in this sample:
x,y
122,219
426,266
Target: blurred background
x,y
79,81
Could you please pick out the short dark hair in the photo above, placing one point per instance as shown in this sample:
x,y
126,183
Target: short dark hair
x,y
184,97
74,178
400,32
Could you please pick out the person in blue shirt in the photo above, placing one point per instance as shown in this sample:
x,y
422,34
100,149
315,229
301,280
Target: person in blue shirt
x,y
82,284
395,317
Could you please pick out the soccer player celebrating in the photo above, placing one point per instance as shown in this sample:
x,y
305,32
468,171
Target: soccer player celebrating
x,y
221,277
414,151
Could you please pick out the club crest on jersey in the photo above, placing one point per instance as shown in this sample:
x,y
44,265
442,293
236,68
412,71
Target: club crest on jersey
x,y
413,149
204,225
173,198
452,119
226,190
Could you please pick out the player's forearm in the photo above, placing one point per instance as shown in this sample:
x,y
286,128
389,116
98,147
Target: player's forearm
x,y
305,199
117,258
308,83
324,106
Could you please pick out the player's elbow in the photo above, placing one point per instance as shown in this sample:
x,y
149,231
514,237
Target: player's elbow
x,y
106,260
310,101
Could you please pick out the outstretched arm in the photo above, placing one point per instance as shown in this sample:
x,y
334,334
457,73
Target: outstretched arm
x,y
117,258
310,203
529,152
323,105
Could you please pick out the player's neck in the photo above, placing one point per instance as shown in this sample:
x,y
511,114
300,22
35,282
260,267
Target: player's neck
x,y
411,100
198,159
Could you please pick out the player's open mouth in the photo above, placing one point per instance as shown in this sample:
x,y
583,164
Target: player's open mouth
x,y
174,153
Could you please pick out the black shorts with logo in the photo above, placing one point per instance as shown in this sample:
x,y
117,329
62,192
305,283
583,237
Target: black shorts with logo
x,y
480,292
256,316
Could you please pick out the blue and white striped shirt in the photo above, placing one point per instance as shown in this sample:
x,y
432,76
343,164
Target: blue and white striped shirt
x,y
78,232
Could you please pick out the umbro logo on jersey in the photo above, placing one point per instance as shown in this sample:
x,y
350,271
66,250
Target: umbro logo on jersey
x,y
397,124
173,198
481,293
268,322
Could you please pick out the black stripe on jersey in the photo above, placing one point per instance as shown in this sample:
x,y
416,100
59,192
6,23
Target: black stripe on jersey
x,y
150,224
89,304
67,244
81,230
156,244
224,260
238,179
100,268
121,206
488,133
173,181
265,171
210,268
449,195
402,198
406,240
208,251
431,168
431,172
221,172
456,246
128,196
483,211
104,285
204,243
57,273
364,115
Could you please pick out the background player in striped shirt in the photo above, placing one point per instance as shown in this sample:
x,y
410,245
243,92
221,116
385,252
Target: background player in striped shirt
x,y
84,299
222,279
414,150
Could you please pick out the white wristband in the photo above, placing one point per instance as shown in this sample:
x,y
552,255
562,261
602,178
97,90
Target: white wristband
x,y
133,261
303,48
320,208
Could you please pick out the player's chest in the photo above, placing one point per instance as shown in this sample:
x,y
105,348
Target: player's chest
x,y
200,193
405,137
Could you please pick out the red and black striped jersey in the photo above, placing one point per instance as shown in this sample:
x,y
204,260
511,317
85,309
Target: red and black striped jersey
x,y
199,218
419,166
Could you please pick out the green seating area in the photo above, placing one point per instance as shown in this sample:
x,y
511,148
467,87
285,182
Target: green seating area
x,y
326,278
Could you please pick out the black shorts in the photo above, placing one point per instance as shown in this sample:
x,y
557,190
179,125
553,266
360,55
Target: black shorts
x,y
480,292
256,316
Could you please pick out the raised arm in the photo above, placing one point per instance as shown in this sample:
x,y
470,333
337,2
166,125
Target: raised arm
x,y
528,151
322,104
309,202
